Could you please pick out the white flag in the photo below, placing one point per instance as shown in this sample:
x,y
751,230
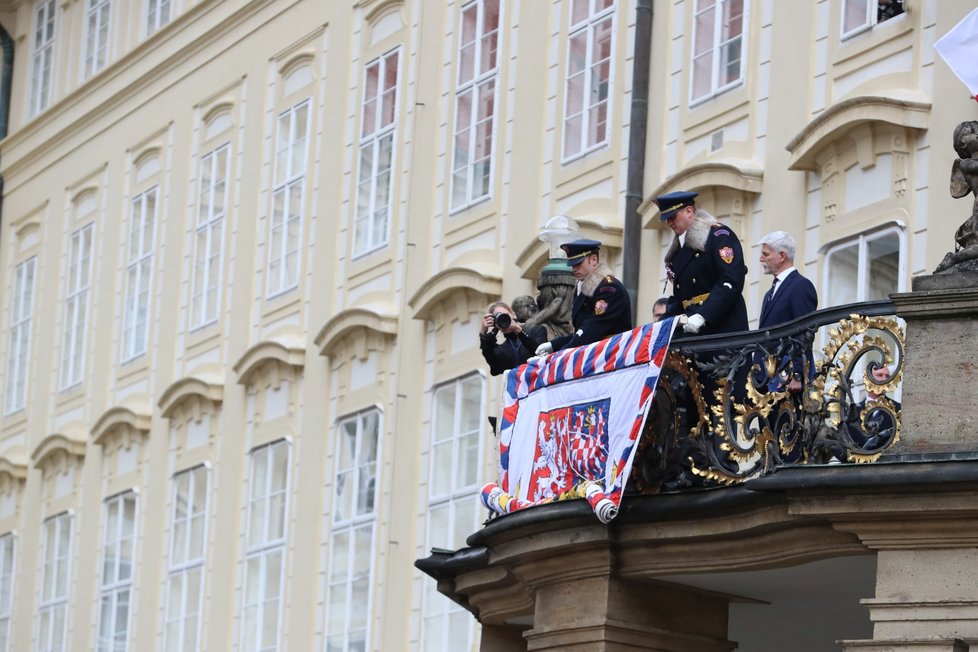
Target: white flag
x,y
959,49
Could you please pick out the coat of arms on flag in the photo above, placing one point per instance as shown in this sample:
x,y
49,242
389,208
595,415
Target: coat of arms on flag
x,y
571,421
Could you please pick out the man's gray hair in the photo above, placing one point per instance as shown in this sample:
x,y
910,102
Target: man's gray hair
x,y
780,241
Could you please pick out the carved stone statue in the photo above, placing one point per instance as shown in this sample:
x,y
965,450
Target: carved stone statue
x,y
557,284
964,180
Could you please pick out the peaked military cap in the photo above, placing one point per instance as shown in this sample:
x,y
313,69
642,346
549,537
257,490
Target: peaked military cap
x,y
578,250
672,202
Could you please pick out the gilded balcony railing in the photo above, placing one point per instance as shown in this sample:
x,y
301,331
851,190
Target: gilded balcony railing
x,y
821,389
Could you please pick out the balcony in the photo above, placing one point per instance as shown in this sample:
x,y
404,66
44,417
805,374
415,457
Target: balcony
x,y
761,513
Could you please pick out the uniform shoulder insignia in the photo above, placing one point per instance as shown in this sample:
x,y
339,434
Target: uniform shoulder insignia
x,y
721,229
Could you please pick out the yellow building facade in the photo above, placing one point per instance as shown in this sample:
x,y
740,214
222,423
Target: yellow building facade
x,y
247,245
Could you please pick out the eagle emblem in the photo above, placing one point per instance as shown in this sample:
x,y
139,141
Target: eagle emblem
x,y
727,254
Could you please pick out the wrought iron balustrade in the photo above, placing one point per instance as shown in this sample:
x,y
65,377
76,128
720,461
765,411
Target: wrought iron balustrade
x,y
730,407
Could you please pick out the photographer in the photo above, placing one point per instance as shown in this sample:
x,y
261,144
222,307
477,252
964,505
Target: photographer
x,y
517,345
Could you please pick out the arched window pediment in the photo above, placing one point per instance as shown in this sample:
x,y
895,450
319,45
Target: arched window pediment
x,y
186,390
288,353
599,227
481,278
121,418
56,450
904,109
13,464
737,174
377,319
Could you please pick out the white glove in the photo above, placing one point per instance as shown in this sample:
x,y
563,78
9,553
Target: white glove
x,y
544,349
694,323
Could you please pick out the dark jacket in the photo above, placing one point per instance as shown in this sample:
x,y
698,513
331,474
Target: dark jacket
x,y
796,296
514,349
601,309
708,271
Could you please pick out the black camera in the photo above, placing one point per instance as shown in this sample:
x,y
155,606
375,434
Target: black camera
x,y
502,320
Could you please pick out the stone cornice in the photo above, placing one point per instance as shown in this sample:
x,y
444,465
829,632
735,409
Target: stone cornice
x,y
904,108
739,174
125,79
136,418
186,387
481,278
372,318
71,443
290,354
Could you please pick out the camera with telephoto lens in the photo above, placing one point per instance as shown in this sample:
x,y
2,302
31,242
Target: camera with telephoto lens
x,y
502,320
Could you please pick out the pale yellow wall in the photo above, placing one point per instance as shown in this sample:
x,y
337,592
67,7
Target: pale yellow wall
x,y
385,329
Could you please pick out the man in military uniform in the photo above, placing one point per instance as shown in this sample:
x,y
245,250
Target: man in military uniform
x,y
601,304
706,266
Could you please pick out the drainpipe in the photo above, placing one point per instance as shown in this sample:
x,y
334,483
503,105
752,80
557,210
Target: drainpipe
x,y
637,133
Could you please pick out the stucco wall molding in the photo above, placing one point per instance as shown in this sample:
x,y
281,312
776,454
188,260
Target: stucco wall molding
x,y
839,118
373,318
71,442
481,278
288,354
186,388
134,419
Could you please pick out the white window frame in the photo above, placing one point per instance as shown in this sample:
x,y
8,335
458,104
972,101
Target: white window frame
x,y
871,18
7,542
342,571
116,586
591,86
205,294
77,286
475,86
42,55
154,19
19,351
267,545
715,52
98,36
139,275
184,561
862,241
285,225
455,495
376,134
53,602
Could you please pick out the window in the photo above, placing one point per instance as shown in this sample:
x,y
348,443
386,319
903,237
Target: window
x,y
185,583
157,14
6,588
55,573
475,102
588,83
76,306
860,15
97,16
351,562
871,266
453,505
21,313
118,552
290,178
718,47
42,56
209,236
372,226
142,223
265,551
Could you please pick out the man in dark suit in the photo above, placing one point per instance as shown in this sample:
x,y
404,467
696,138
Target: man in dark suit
x,y
791,295
706,266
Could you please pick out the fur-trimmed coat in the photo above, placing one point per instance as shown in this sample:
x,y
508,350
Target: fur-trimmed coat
x,y
711,262
601,309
